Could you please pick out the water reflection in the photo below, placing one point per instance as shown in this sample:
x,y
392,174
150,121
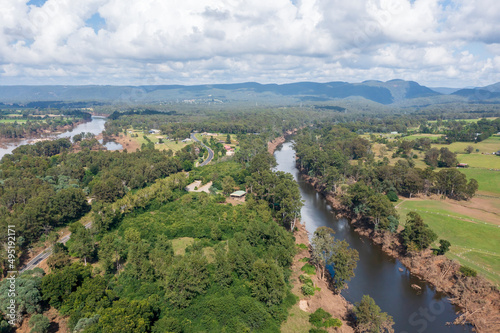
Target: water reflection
x,y
383,278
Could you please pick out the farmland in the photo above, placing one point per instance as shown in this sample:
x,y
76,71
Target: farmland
x,y
474,236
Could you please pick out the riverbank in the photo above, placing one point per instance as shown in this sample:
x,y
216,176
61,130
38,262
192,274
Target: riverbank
x,y
478,299
274,144
324,298
39,136
127,142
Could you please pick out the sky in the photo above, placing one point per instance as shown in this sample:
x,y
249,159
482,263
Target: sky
x,y
438,43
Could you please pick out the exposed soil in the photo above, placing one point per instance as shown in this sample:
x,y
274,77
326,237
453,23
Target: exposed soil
x,y
325,298
57,323
478,298
127,142
272,145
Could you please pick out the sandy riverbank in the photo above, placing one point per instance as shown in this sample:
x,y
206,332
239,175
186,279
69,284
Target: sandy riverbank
x,y
127,142
324,298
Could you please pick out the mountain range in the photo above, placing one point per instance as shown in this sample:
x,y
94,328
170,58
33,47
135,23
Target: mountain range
x,y
390,92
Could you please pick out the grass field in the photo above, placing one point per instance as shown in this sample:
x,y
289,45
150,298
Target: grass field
x,y
11,121
480,160
433,137
489,180
489,145
154,138
475,243
297,321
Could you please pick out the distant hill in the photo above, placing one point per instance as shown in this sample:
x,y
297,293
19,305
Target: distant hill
x,y
390,92
444,90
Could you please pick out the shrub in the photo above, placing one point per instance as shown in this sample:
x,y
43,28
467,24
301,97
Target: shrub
x,y
302,246
392,196
308,289
309,269
467,271
321,318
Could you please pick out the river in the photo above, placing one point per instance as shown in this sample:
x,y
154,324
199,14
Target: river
x,y
95,126
382,277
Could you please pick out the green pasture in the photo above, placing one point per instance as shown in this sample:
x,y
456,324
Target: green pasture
x,y
489,180
480,239
13,120
433,137
166,145
489,145
480,160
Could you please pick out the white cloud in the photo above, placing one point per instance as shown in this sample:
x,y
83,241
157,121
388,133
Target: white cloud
x,y
190,42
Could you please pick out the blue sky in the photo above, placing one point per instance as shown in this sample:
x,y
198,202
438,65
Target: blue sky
x,y
453,43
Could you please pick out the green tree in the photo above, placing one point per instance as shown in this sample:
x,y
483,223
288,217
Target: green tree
x,y
370,319
322,245
228,185
416,233
39,324
60,284
228,139
187,278
321,318
28,293
444,246
344,261
109,189
268,283
82,243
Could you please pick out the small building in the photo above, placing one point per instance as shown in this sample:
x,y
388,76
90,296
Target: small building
x,y
462,165
186,140
154,131
238,194
227,147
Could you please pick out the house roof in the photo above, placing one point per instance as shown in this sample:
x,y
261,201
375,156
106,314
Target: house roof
x,y
238,193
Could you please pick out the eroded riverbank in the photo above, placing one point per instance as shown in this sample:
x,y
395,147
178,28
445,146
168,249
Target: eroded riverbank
x,y
478,299
379,275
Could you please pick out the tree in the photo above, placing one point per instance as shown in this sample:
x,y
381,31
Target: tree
x,y
416,233
228,185
82,243
369,317
344,261
28,296
59,257
321,318
60,284
228,139
322,245
469,149
444,246
447,158
108,190
39,324
187,278
268,283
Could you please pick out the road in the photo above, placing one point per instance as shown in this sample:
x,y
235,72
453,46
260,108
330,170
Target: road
x,y
46,253
210,151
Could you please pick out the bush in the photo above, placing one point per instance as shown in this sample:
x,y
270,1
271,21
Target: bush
x,y
467,271
308,289
39,323
392,196
309,269
302,246
321,318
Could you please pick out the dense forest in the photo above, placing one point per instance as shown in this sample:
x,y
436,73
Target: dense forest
x,y
232,275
